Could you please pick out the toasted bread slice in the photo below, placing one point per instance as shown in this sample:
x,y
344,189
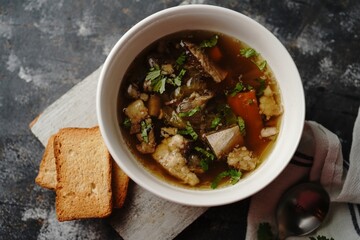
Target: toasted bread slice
x,y
47,172
83,167
120,182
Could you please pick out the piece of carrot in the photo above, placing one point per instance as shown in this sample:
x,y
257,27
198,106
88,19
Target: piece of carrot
x,y
245,105
215,53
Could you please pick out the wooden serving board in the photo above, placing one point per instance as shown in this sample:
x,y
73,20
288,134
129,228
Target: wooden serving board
x,y
144,216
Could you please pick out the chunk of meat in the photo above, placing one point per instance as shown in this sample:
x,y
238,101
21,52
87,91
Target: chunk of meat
x,y
242,159
268,105
146,147
169,154
168,131
268,132
136,111
224,141
195,100
133,91
214,71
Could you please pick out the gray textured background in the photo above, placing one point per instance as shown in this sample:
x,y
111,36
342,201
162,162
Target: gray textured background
x,y
46,47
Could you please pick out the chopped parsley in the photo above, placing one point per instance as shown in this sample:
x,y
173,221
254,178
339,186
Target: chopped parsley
x,y
234,175
153,73
209,43
262,87
248,52
205,153
238,88
159,80
204,164
181,59
215,122
188,131
178,78
145,129
262,65
127,123
159,85
190,112
207,157
241,124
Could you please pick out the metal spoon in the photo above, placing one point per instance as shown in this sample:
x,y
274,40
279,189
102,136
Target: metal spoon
x,y
301,210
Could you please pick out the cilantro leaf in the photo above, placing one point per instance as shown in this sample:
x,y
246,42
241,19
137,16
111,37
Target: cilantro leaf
x,y
248,52
215,122
188,131
207,158
181,59
238,88
159,84
190,112
234,175
153,73
210,42
127,123
241,124
205,153
264,232
145,129
178,78
262,87
262,65
204,164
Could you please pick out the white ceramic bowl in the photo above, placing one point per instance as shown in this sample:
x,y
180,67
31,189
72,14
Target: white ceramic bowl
x,y
215,19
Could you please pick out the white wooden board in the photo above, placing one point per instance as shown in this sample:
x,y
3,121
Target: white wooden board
x,y
145,216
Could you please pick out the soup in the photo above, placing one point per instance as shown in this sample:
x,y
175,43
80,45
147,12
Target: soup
x,y
199,109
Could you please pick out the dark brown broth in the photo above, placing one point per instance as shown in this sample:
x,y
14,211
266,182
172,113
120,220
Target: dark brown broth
x,y
232,62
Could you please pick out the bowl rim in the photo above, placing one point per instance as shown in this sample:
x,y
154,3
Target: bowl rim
x,y
196,197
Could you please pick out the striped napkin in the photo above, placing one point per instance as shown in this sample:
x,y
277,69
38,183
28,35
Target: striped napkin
x,y
318,158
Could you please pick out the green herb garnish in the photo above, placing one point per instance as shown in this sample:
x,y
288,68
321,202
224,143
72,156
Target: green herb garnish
x,y
178,78
264,232
241,124
234,175
190,112
153,73
209,42
188,131
215,122
204,164
145,129
157,79
159,85
262,87
207,157
205,153
181,59
262,65
238,88
127,123
248,52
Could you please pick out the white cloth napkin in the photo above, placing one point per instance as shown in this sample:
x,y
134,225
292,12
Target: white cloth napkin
x,y
318,158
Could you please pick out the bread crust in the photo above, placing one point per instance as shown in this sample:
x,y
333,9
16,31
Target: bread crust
x,y
120,183
46,177
83,167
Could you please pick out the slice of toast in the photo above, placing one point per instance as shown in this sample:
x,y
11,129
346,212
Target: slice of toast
x,y
83,167
120,182
47,172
